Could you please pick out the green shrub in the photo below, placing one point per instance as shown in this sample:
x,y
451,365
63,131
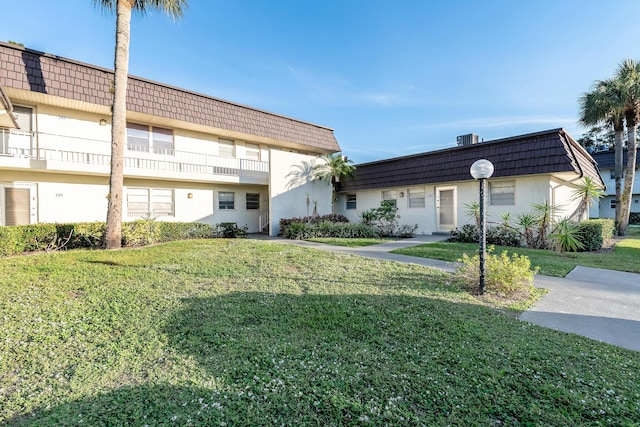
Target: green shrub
x,y
36,237
10,241
315,219
634,218
303,231
566,236
501,235
594,232
80,235
504,275
140,233
230,230
184,230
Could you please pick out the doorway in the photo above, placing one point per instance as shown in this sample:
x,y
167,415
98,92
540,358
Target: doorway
x,y
446,208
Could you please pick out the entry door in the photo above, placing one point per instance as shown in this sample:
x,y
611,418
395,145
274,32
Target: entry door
x,y
17,206
446,208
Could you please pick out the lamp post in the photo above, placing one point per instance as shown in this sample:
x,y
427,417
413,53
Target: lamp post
x,y
482,170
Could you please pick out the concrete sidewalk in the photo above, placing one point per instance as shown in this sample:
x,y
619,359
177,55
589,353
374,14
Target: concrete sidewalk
x,y
596,303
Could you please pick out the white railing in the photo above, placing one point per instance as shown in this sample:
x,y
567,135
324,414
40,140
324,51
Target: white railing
x,y
263,220
15,143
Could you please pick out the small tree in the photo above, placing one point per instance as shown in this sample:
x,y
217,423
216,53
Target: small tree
x,y
333,168
586,193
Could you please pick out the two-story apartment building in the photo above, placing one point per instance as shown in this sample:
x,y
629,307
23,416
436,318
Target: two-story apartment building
x,y
189,156
607,164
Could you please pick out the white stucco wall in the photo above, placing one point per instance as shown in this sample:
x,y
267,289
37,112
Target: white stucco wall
x,y
528,190
288,197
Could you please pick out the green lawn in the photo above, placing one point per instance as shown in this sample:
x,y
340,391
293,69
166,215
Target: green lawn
x,y
245,332
625,256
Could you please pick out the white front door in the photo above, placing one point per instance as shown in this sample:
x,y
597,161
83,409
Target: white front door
x,y
446,208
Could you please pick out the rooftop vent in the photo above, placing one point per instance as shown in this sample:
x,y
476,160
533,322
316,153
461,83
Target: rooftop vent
x,y
468,139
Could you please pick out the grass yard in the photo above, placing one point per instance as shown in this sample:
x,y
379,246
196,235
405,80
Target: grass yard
x,y
243,332
624,257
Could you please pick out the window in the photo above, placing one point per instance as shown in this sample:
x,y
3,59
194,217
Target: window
x,y
151,202
226,148
146,139
613,204
253,152
391,196
502,192
351,201
416,197
253,201
226,200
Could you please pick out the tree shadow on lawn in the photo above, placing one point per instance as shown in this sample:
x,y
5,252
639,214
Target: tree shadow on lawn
x,y
342,359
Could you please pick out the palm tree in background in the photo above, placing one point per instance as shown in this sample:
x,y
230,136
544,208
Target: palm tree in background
x,y
629,76
332,168
123,9
604,105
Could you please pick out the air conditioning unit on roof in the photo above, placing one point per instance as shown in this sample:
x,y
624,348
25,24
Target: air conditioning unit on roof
x,y
468,139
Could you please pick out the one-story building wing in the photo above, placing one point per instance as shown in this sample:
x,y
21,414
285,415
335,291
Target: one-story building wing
x,y
431,189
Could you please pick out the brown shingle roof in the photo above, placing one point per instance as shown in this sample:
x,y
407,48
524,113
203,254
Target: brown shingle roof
x,y
552,151
48,74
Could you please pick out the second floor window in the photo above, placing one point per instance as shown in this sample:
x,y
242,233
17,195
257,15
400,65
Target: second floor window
x,y
226,148
149,139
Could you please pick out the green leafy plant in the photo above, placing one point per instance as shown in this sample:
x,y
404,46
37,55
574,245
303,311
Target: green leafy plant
x,y
230,230
566,236
472,211
586,194
504,275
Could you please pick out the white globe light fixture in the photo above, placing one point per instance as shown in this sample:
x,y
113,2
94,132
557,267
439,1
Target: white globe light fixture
x,y
482,170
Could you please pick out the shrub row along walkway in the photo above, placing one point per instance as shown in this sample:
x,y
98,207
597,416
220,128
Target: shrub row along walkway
x,y
596,303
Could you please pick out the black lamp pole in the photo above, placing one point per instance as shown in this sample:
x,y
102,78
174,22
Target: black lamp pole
x,y
482,170
483,234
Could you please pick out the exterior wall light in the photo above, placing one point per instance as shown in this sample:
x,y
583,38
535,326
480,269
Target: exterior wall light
x,y
103,122
482,170
189,195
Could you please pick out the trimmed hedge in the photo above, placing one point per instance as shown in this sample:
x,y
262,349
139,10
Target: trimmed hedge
x,y
39,237
316,219
594,232
500,235
303,230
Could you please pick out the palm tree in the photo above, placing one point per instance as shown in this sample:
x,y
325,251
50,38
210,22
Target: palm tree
x,y
629,75
604,106
586,193
332,168
123,10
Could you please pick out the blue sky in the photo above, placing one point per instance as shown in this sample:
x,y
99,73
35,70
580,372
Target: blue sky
x,y
391,77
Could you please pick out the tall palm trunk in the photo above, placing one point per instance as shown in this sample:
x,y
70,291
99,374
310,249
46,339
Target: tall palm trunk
x,y
632,124
113,232
618,128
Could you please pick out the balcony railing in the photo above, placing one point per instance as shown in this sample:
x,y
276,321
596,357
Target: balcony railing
x,y
15,143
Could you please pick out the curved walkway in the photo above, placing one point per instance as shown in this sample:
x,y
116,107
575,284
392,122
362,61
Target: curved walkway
x,y
596,303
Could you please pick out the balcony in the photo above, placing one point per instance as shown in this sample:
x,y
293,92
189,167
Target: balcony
x,y
17,150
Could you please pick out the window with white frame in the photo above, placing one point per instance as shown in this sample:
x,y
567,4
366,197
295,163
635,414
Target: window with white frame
x,y
351,201
150,202
502,192
416,197
226,200
147,139
226,148
252,151
390,196
253,201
